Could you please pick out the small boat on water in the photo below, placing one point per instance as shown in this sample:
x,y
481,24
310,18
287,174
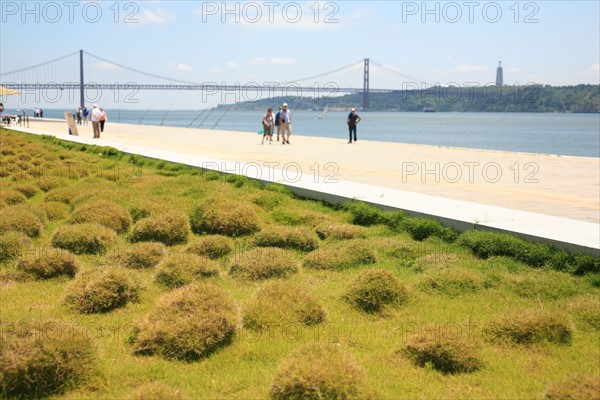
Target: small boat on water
x,y
322,115
428,109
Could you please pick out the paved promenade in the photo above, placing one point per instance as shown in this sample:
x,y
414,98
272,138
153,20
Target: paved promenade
x,y
540,196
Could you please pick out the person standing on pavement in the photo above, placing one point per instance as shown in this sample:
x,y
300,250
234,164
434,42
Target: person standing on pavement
x,y
352,120
96,114
102,119
285,120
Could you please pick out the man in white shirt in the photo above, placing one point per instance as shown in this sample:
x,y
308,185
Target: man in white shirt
x,y
96,115
286,124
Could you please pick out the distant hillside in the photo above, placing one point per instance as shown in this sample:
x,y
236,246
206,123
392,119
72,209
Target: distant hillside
x,y
531,98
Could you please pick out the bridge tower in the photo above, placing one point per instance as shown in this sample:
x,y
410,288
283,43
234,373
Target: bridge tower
x,y
366,85
81,89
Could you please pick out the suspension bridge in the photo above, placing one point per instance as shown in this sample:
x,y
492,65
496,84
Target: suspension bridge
x,y
84,72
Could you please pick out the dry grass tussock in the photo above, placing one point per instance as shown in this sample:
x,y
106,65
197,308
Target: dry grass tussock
x,y
140,255
12,197
212,246
280,303
13,244
55,210
530,327
224,217
50,263
105,213
63,194
91,238
286,237
576,388
339,230
444,353
341,255
181,269
375,289
169,228
44,359
27,189
187,324
101,291
21,219
318,371
264,263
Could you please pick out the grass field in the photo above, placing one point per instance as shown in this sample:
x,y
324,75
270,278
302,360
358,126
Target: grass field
x,y
125,277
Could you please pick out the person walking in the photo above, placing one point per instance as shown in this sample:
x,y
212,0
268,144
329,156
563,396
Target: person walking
x,y
286,124
79,115
278,122
352,120
102,119
96,114
85,114
268,126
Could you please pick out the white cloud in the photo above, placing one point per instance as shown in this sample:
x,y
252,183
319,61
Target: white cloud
x,y
106,66
257,61
232,64
217,69
470,68
594,68
183,67
282,61
158,16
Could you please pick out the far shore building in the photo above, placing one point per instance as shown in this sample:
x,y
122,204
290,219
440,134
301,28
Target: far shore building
x,y
499,75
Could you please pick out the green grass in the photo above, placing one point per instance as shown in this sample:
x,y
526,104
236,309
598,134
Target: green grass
x,y
491,291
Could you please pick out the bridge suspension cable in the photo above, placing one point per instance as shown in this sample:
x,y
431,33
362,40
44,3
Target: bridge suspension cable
x,y
38,65
141,72
326,73
400,73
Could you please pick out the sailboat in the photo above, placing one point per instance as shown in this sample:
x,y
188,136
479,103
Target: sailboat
x,y
322,115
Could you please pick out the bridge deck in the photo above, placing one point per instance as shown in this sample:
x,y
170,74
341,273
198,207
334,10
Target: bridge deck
x,y
554,198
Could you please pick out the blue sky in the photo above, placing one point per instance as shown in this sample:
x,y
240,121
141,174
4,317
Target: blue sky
x,y
547,42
